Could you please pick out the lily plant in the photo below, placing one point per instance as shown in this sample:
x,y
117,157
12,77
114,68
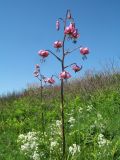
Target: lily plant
x,y
70,33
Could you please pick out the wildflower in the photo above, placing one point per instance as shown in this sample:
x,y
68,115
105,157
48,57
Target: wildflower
x,y
71,120
58,44
99,125
76,68
67,30
99,116
25,147
89,107
75,34
64,75
57,25
58,123
53,144
84,50
43,53
72,26
21,137
29,143
50,80
36,73
70,29
35,156
102,141
74,149
80,109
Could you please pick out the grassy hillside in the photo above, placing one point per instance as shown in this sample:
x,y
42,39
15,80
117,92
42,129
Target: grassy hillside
x,y
92,121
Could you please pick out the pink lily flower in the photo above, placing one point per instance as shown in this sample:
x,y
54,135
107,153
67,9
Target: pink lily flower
x,y
64,75
67,30
75,34
72,27
57,44
50,80
76,68
71,31
84,50
43,53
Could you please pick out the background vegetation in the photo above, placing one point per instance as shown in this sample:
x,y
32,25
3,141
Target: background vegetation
x,y
92,119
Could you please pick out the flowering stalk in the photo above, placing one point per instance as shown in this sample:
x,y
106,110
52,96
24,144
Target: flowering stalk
x,y
70,33
62,86
62,102
40,77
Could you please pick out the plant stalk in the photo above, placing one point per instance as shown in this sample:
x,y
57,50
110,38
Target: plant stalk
x,y
62,105
42,116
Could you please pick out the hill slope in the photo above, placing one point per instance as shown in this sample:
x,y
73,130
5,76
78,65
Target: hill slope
x,y
92,121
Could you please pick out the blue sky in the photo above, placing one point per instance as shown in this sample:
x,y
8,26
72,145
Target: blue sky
x,y
27,26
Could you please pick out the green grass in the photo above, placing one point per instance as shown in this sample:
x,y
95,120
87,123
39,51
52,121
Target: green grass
x,y
94,104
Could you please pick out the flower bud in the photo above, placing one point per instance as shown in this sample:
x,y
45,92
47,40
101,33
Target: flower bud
x,y
57,25
69,15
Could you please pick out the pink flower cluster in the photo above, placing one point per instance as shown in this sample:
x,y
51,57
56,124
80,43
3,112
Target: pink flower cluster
x,y
71,31
66,75
36,73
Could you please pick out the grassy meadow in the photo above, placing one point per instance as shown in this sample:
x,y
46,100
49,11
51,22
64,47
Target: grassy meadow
x,y
31,130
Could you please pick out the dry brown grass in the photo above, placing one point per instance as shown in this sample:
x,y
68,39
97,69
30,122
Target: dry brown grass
x,y
89,83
